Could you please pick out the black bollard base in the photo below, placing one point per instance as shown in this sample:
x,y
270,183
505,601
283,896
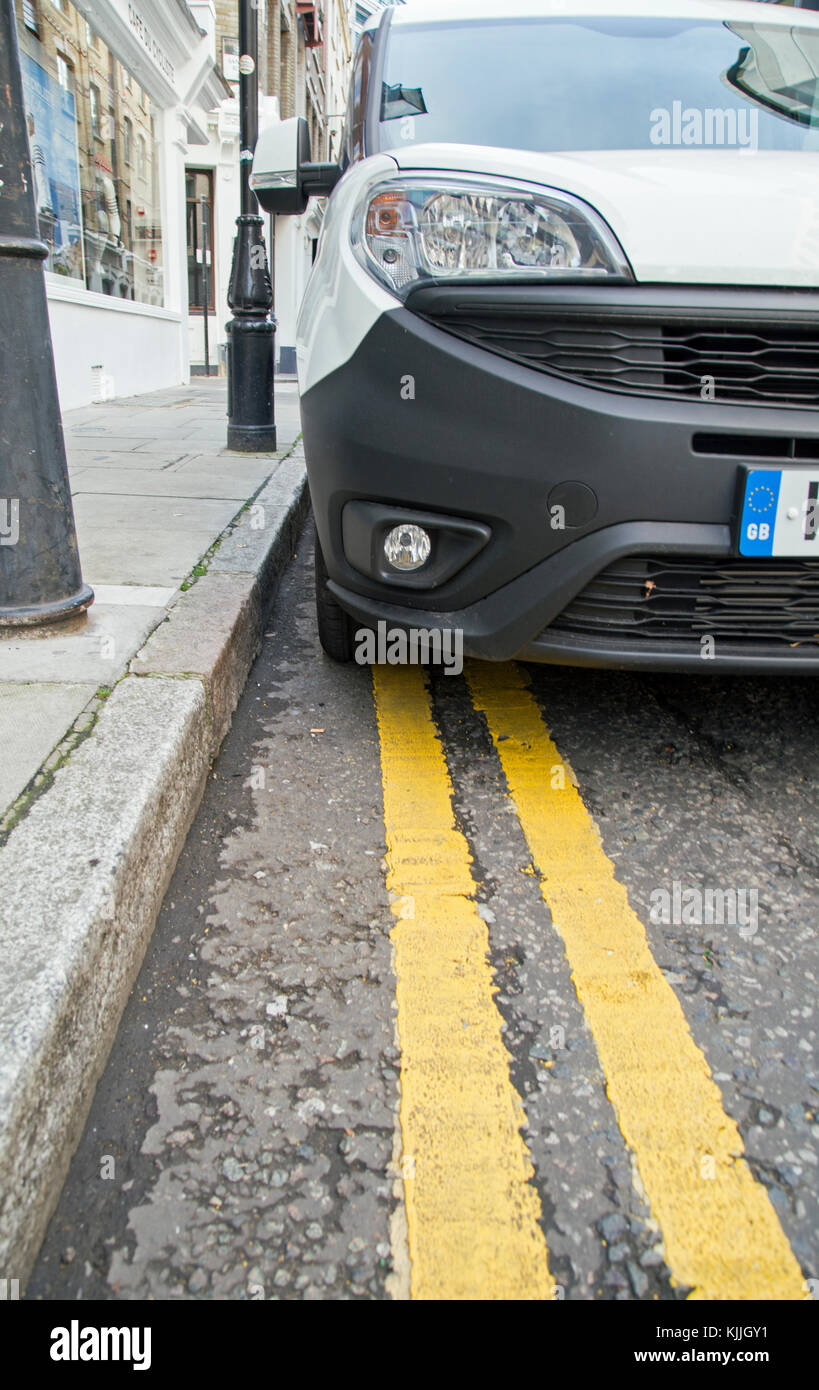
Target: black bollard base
x,y
251,439
43,613
251,426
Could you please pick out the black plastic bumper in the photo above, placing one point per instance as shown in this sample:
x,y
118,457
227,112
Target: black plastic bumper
x,y
418,418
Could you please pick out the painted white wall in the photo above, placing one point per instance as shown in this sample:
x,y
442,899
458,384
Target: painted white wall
x,y
136,346
204,12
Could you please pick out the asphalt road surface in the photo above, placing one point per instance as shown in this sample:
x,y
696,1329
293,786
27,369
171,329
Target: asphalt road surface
x,y
490,985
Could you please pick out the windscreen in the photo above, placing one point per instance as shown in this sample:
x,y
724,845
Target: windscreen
x,y
602,84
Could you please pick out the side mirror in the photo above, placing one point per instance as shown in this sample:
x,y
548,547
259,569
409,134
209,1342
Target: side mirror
x,y
282,176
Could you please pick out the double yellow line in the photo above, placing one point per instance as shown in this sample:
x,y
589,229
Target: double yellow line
x,y
472,1211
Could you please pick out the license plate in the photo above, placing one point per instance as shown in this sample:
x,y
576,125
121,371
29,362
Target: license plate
x,y
780,512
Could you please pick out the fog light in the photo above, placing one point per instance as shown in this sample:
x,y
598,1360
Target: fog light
x,y
407,547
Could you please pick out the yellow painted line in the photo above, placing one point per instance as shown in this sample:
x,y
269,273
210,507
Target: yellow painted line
x,y
472,1212
722,1236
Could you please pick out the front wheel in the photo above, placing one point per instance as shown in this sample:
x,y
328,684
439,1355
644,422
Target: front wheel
x,y
335,627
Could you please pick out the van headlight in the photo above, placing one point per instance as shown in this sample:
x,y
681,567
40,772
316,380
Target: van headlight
x,y
406,232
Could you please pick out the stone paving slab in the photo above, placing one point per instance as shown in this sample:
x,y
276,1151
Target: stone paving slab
x,y
146,540
109,443
265,534
188,479
216,624
85,863
135,595
95,649
83,877
94,457
148,507
36,712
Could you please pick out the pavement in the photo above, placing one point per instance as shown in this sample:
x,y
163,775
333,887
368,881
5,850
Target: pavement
x,y
409,1025
109,724
153,487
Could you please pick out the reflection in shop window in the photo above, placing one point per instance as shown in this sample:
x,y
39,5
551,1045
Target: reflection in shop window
x,y
98,214
94,107
230,59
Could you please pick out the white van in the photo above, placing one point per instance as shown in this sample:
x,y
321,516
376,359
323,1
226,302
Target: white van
x,y
559,352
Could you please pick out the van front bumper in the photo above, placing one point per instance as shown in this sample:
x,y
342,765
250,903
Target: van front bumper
x,y
420,420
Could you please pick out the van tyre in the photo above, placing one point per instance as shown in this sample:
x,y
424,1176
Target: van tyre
x,y
335,627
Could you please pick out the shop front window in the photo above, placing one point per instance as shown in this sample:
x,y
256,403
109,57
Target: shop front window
x,y
94,156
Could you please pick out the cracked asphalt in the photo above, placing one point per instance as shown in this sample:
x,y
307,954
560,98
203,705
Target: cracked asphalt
x,y
244,1142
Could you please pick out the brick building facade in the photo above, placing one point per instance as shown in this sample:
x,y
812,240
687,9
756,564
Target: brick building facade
x,y
132,111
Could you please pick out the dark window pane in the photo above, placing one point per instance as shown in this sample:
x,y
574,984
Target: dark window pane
x,y
199,182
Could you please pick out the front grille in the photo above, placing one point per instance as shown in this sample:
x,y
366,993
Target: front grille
x,y
757,362
766,602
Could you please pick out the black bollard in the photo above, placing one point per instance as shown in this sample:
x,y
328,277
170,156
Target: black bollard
x,y
251,418
40,575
